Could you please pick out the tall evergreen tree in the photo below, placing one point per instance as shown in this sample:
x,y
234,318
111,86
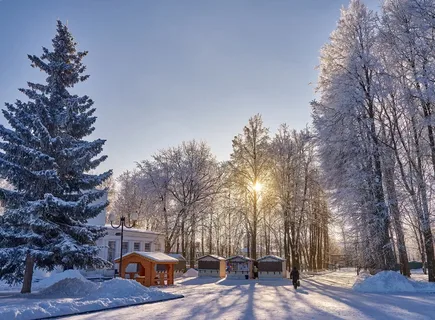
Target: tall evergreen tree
x,y
45,157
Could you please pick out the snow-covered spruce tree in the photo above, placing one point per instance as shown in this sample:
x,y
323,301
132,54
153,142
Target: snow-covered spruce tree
x,y
46,159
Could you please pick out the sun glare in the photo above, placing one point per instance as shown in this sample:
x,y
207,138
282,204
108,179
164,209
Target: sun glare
x,y
258,186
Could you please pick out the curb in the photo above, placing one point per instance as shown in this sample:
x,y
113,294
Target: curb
x,y
109,308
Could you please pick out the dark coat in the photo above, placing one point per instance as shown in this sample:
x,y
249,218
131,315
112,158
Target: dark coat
x,y
294,275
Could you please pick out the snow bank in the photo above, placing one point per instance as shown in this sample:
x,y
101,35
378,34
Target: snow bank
x,y
73,295
388,281
191,273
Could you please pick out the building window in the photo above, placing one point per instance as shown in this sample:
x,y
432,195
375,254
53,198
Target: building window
x,y
157,245
148,246
111,251
136,246
124,248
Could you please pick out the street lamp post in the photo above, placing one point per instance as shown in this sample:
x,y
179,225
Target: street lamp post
x,y
121,225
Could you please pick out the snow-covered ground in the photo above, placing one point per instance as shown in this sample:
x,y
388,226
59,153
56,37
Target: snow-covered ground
x,y
69,292
325,296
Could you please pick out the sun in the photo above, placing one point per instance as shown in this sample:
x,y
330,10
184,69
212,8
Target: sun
x,y
258,186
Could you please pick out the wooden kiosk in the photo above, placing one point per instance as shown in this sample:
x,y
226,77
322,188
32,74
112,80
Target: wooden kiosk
x,y
271,267
146,271
180,267
240,267
211,266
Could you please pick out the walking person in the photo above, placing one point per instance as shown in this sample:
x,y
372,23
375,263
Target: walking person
x,y
294,275
255,270
228,268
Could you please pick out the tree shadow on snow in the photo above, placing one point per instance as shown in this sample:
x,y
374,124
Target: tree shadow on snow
x,y
258,282
301,291
387,303
198,281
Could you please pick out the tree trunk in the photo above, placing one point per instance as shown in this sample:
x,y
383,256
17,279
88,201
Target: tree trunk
x,y
319,264
425,214
183,240
390,187
254,243
294,248
326,247
385,246
287,241
386,262
193,241
398,228
210,238
254,229
428,238
423,252
202,241
28,275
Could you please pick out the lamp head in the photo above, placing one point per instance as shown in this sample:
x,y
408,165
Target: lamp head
x,y
112,216
134,216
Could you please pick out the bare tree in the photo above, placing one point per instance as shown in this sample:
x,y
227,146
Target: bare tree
x,y
250,165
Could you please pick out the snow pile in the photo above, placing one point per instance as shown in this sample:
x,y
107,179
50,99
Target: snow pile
x,y
190,273
126,289
54,278
385,281
75,295
70,287
363,275
43,279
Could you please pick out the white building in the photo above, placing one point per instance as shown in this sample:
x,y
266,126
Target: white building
x,y
133,240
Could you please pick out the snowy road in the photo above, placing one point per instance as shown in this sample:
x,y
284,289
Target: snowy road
x,y
322,297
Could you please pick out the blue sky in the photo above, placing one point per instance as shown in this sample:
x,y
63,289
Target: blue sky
x,y
163,72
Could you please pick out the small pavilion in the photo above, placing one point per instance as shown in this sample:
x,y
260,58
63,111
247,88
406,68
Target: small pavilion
x,y
211,266
146,272
240,267
271,266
